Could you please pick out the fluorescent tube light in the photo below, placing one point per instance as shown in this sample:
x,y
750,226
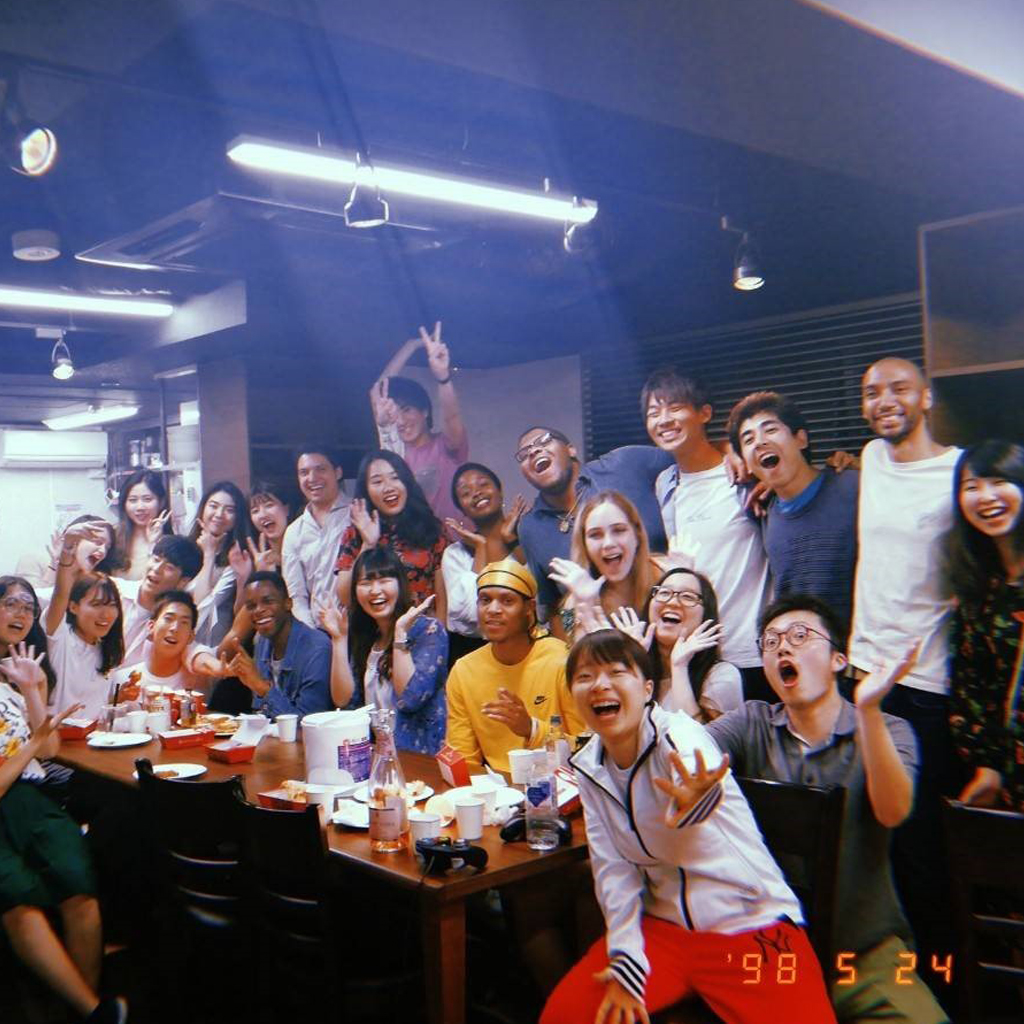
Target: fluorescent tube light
x,y
91,417
322,165
73,302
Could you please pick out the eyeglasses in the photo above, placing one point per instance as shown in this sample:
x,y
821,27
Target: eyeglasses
x,y
796,636
538,442
665,594
13,604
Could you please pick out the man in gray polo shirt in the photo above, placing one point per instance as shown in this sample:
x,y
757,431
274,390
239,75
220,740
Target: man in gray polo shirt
x,y
815,737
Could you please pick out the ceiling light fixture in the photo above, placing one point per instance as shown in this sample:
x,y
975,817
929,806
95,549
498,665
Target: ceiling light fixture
x,y
75,302
92,416
35,246
365,208
60,357
339,169
30,148
747,274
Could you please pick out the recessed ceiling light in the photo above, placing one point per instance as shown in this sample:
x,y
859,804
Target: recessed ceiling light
x,y
75,302
35,246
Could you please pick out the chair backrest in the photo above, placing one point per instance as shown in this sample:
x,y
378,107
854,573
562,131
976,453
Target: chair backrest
x,y
986,867
804,823
198,831
286,864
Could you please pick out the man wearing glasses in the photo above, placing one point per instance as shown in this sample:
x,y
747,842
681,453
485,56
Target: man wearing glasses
x,y
815,737
549,462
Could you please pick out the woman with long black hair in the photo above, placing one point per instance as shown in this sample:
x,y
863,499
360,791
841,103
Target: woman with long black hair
x,y
986,571
143,517
390,509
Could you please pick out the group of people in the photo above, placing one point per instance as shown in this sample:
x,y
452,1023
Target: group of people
x,y
688,609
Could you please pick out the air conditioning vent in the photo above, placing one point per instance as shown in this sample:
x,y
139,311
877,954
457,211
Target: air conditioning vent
x,y
46,449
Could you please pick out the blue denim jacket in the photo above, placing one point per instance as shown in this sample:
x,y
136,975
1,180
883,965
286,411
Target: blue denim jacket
x,y
304,685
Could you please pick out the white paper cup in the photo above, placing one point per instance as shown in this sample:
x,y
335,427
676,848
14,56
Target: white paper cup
x,y
520,761
287,728
486,789
423,825
469,813
158,721
136,721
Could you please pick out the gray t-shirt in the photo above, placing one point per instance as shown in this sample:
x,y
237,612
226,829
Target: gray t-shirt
x,y
760,745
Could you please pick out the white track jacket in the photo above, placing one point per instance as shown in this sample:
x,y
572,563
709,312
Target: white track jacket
x,y
712,873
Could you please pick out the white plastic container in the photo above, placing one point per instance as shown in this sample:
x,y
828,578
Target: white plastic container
x,y
337,746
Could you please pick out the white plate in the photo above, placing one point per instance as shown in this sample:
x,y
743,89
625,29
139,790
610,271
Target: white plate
x,y
118,739
444,803
351,814
183,770
363,794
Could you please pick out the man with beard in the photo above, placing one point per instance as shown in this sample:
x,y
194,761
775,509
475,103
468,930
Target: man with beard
x,y
310,546
549,462
906,483
291,673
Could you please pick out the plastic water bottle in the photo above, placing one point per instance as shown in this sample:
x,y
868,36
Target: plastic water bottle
x,y
541,805
557,744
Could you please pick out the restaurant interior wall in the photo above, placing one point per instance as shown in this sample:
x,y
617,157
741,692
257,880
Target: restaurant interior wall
x,y
816,358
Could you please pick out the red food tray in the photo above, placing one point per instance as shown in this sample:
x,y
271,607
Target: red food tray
x,y
176,739
75,729
231,752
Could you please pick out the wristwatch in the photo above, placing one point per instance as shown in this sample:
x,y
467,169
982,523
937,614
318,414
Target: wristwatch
x,y
402,645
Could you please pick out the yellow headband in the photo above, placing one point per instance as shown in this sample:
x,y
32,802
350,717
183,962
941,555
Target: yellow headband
x,y
511,575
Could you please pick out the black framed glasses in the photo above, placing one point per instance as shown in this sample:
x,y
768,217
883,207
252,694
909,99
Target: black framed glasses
x,y
686,597
538,442
795,635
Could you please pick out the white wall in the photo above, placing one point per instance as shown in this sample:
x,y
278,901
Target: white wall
x,y
497,405
35,502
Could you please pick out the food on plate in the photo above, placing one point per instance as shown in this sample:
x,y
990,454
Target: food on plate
x,y
415,788
294,790
166,773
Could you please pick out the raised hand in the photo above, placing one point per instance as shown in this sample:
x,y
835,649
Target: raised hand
x,y
264,557
983,790
334,620
155,527
437,353
736,471
511,711
871,690
688,789
366,521
619,1005
707,635
576,580
54,547
840,460
240,561
84,531
405,621
208,544
626,620
510,521
474,540
242,666
384,409
683,550
23,668
49,725
757,499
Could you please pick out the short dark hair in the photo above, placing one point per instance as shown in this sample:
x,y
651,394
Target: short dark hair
x,y
783,408
183,552
316,447
556,434
275,579
606,647
834,623
471,467
406,391
277,490
668,384
175,597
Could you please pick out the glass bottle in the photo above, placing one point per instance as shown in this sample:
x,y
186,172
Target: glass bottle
x,y
557,744
389,813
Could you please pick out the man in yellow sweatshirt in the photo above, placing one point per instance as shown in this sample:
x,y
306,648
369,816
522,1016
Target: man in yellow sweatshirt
x,y
501,697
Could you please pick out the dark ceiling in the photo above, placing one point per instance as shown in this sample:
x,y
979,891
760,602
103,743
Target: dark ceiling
x,y
832,145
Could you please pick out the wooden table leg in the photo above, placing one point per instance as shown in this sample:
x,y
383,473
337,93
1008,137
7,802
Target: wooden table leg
x,y
443,930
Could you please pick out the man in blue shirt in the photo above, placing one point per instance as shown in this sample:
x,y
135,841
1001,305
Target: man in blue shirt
x,y
549,462
292,670
810,528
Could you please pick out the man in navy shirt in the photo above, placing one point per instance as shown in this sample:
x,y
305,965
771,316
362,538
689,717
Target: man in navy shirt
x,y
292,670
549,462
810,529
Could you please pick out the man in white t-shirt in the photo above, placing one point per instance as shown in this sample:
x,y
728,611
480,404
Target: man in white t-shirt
x,y
310,546
171,659
700,503
905,508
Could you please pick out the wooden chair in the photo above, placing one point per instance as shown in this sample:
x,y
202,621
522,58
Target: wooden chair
x,y
196,830
986,857
802,827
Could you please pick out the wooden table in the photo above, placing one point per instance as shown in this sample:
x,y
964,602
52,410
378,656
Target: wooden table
x,y
442,900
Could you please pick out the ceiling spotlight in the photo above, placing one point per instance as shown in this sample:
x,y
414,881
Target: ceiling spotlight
x,y
63,367
747,275
30,148
35,246
365,208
